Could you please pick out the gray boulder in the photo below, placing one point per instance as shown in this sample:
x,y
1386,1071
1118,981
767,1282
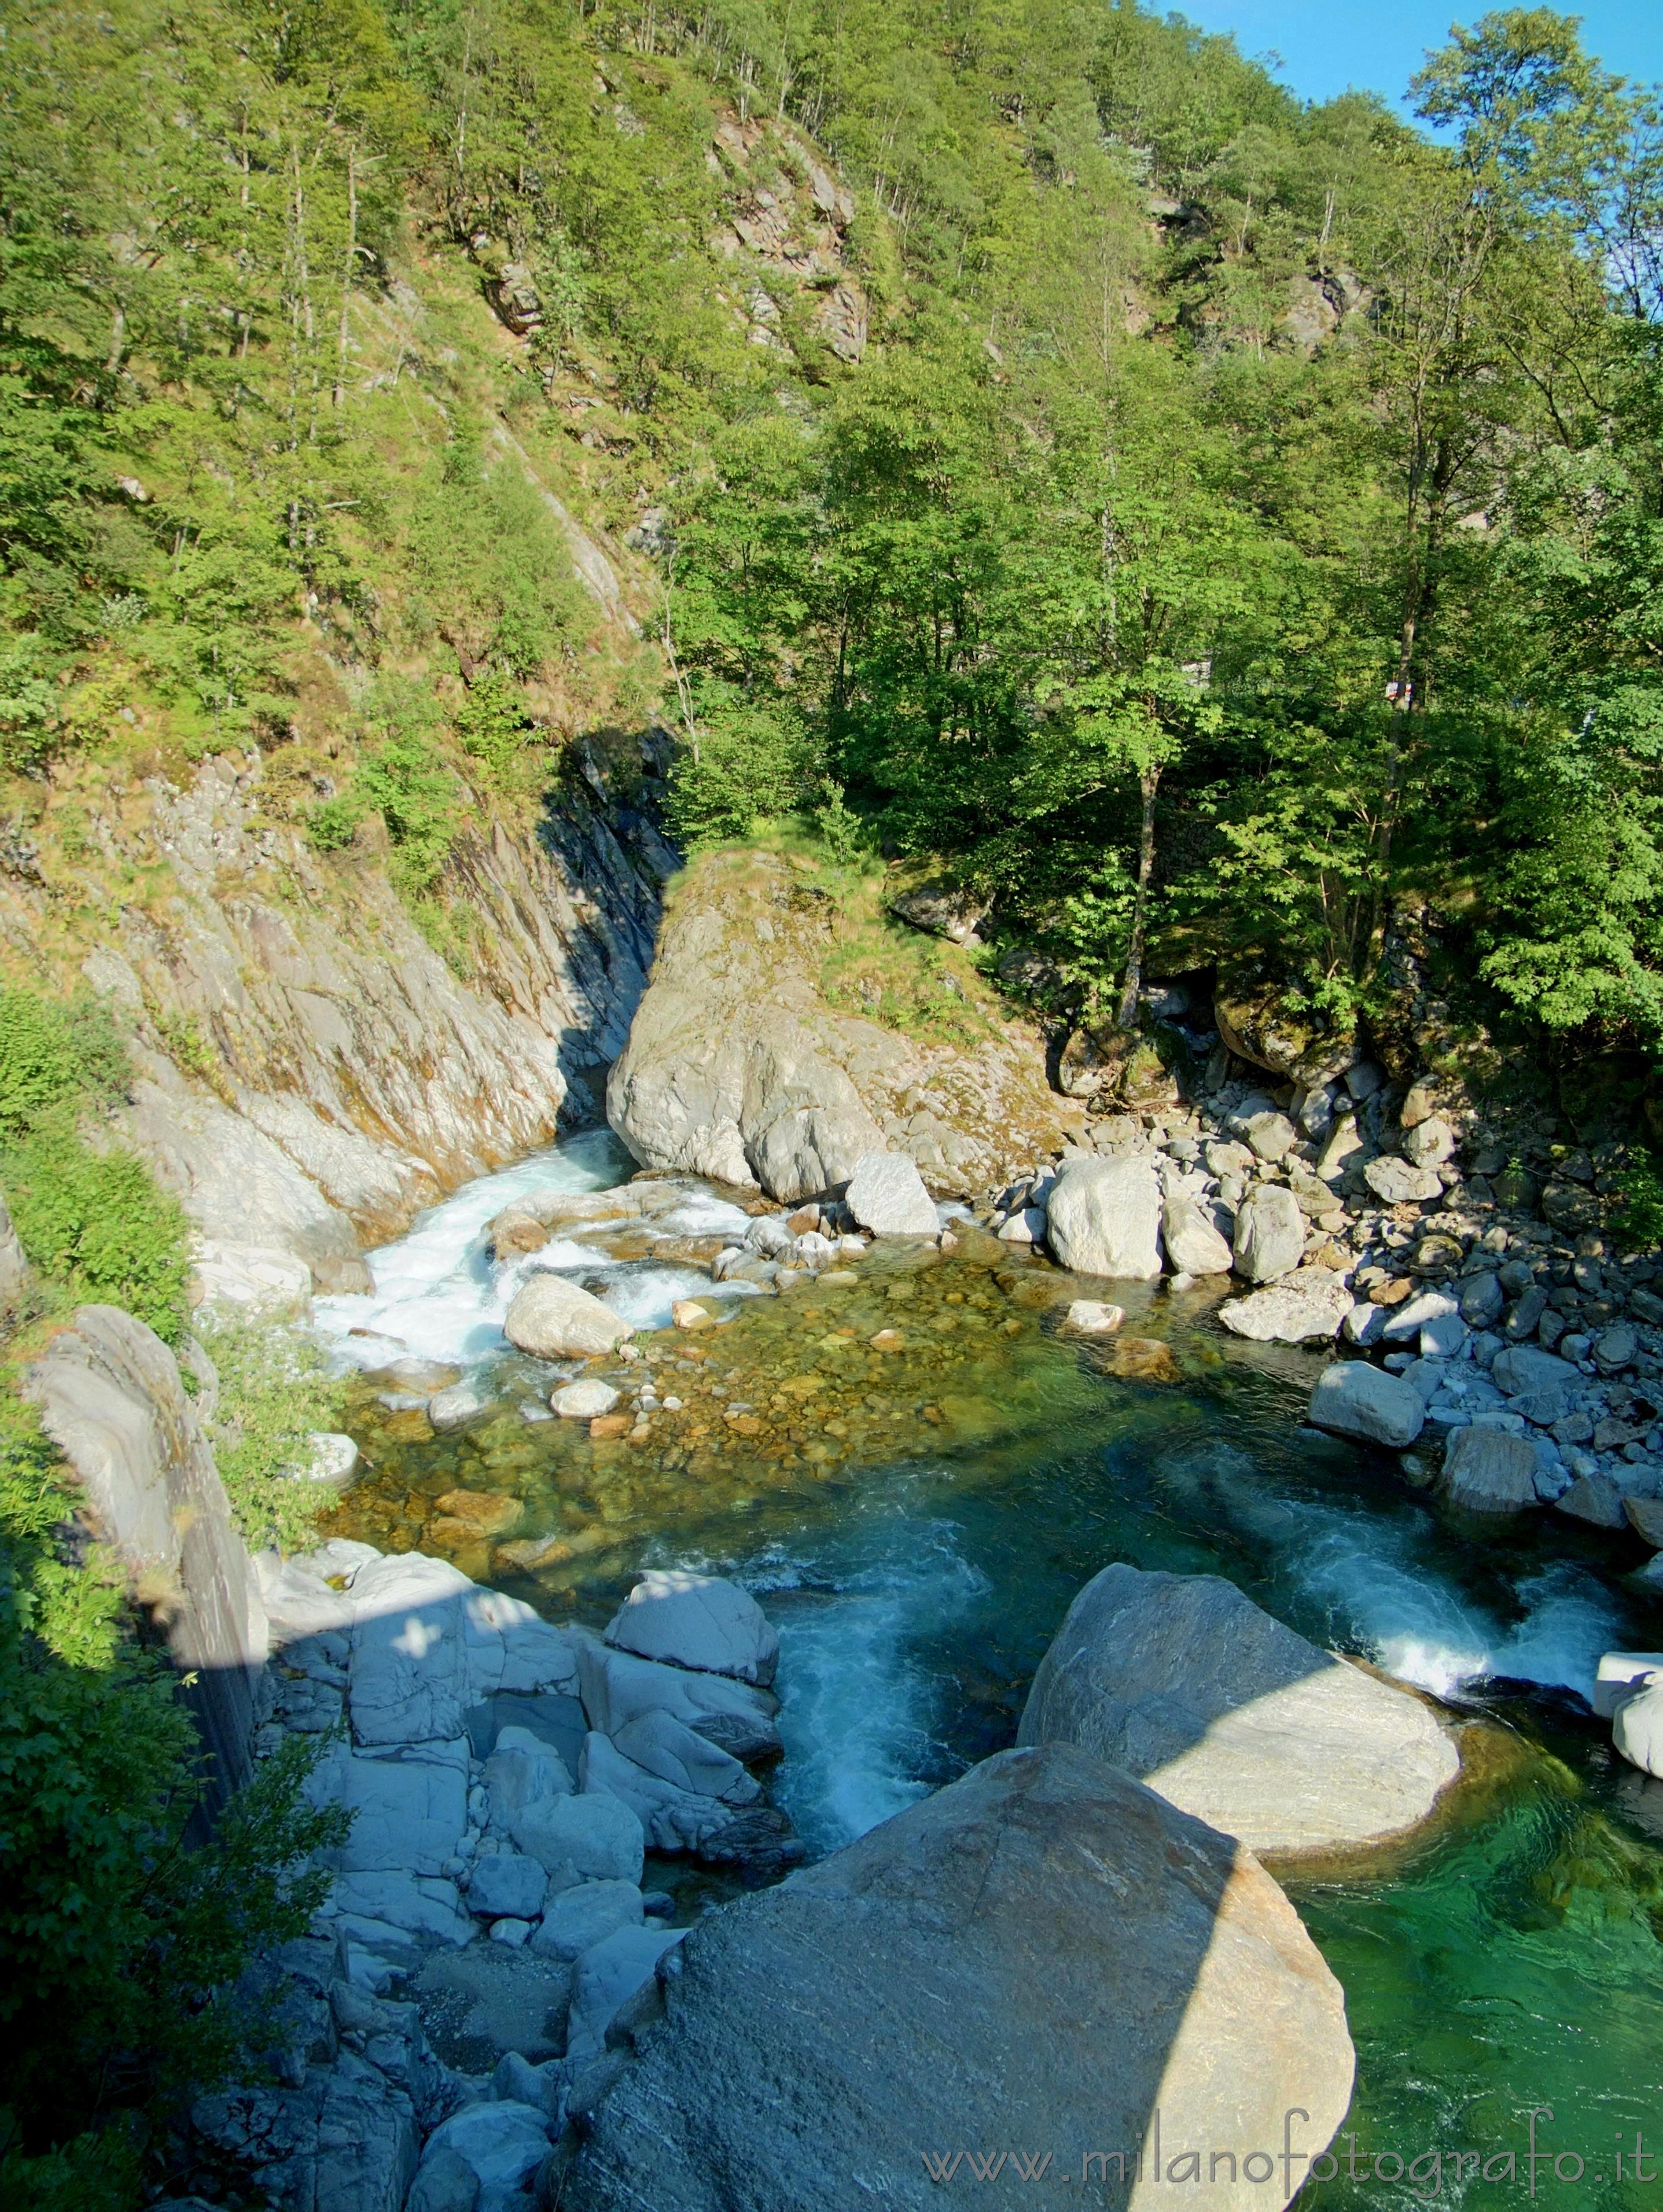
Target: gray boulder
x,y
616,1686
1353,1399
609,1974
1594,1499
1270,1233
505,1885
1397,1182
503,2143
1193,1244
698,1621
1039,1953
1271,1135
1429,1143
886,1194
1103,1217
1523,1368
1482,1300
553,1319
342,2143
580,1918
589,1837
444,2183
1488,1471
1189,1686
665,1747
1636,1729
1310,1302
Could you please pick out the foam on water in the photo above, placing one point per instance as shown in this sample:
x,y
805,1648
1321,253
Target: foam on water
x,y
439,1296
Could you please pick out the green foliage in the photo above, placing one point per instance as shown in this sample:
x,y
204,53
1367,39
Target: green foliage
x,y
274,1392
491,564
97,1222
491,724
753,761
403,777
119,1944
1637,1217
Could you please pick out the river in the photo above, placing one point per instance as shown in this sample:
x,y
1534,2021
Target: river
x,y
917,1524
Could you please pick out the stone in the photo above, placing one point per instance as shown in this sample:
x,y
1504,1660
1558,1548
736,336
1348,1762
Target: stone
x,y
672,1818
1645,1517
1026,1226
886,1194
454,1407
1193,1245
965,1973
1397,1182
1615,1349
592,1837
407,1813
1341,1145
1442,1337
388,1903
1428,1143
553,1319
1103,1217
668,1748
332,1460
1186,1683
1364,1325
688,1314
1523,1368
1091,1317
503,2143
1618,1675
473,1513
618,1687
505,1885
1353,1399
340,2143
582,1401
1270,1234
1569,1209
701,1622
1487,1471
410,1680
1596,1499
580,1918
445,2182
1311,1302
609,1974
1270,1136
1481,1300
1636,1729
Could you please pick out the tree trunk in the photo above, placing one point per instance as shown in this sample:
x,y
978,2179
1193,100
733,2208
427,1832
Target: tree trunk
x,y
1150,783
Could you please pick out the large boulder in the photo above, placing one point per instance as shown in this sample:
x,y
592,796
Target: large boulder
x,y
1039,1953
1193,1245
1103,1217
617,1688
1310,1302
1257,1024
738,1068
701,1621
1523,1369
886,1194
1353,1399
553,1319
1270,1233
1488,1471
1637,1725
1397,1182
1188,1685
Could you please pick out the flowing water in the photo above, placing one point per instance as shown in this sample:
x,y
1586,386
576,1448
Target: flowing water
x,y
917,1518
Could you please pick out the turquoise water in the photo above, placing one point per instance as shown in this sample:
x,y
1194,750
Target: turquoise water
x,y
1509,1960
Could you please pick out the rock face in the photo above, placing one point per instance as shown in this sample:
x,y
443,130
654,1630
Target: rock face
x,y
1270,1234
1044,1951
1104,1217
737,1069
886,1194
111,1398
1353,1399
1187,1684
355,1077
553,1319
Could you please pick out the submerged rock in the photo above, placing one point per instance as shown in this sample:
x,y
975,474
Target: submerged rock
x,y
1189,1686
1039,1953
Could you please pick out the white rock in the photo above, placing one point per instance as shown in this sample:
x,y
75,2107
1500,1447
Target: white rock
x,y
504,2143
886,1194
591,1837
1270,1234
616,1686
1411,1316
1443,1338
583,1401
668,1748
580,1918
413,1904
515,1933
1026,1226
1395,1182
698,1621
409,1676
553,1319
1311,1302
1193,1245
1091,1317
1353,1399
1342,1145
1637,1729
1103,1217
672,1819
609,1975
1365,1324
1269,1135
1619,1673
1429,1143
333,1461
523,1770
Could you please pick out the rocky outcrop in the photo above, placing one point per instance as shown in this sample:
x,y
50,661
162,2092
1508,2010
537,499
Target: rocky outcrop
x,y
1188,1685
111,1398
737,1068
311,1071
1045,1952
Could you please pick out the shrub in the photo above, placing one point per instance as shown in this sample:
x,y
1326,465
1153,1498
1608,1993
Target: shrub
x,y
275,1391
1637,1217
98,1223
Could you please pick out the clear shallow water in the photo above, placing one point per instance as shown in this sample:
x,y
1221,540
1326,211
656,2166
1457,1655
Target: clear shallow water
x,y
918,1562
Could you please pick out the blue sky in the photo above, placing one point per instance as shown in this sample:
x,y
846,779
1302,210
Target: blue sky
x,y
1326,44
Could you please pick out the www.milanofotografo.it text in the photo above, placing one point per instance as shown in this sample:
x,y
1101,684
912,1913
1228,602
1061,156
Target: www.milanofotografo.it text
x,y
1426,2174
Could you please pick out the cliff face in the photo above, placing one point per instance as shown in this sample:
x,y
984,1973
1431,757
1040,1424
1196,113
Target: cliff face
x,y
311,1071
